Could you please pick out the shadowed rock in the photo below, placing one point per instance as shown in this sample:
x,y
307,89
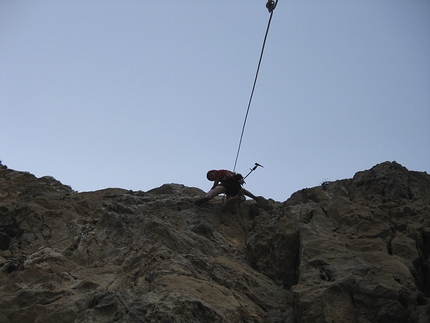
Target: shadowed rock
x,y
352,250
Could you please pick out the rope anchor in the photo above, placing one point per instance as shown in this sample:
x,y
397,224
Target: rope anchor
x,y
271,5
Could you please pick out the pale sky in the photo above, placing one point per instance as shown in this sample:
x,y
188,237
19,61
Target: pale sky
x,y
135,94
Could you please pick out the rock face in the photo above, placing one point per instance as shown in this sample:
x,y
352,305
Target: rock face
x,y
353,250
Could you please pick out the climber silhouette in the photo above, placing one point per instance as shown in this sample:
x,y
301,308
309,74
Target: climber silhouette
x,y
229,183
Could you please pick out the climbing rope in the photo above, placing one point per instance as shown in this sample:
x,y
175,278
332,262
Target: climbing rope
x,y
270,5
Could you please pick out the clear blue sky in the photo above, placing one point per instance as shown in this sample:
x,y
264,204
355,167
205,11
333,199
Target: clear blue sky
x,y
135,94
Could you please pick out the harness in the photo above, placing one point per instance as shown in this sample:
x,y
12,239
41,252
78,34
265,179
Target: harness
x,y
236,177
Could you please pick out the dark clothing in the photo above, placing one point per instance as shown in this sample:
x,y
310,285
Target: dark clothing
x,y
232,186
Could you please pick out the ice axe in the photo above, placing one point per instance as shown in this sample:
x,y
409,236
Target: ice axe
x,y
252,169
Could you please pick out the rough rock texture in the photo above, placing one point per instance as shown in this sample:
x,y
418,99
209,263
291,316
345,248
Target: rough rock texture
x,y
353,250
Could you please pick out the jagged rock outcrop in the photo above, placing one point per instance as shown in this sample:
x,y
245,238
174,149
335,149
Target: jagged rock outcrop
x,y
353,250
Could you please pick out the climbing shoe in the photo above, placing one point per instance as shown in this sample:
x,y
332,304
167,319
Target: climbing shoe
x,y
201,201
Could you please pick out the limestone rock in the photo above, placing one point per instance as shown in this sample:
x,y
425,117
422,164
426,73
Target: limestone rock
x,y
352,250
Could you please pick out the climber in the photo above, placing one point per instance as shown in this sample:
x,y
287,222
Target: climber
x,y
229,183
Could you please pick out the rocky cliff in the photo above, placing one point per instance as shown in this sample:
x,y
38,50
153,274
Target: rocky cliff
x,y
352,250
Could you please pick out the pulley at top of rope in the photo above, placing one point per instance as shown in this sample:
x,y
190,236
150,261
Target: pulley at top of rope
x,y
271,5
